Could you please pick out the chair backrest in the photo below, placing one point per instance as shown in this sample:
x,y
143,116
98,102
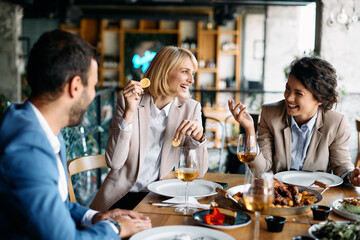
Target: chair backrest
x,y
221,150
82,164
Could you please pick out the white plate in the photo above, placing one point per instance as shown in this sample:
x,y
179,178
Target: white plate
x,y
242,219
238,188
315,227
305,179
170,233
339,209
176,188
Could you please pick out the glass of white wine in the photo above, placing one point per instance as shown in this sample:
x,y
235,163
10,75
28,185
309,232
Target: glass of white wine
x,y
187,170
259,195
247,148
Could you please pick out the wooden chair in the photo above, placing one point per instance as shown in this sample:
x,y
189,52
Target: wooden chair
x,y
357,162
82,164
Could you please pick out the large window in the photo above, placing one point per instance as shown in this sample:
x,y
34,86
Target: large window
x,y
273,37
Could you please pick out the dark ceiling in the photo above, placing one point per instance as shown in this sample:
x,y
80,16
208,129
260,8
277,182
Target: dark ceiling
x,y
72,10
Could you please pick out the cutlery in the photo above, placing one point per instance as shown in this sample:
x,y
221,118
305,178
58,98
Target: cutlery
x,y
320,184
162,204
298,221
224,193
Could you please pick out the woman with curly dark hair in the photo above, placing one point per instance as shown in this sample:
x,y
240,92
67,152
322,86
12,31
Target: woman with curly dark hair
x,y
302,132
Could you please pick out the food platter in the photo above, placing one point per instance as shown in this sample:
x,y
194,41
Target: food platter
x,y
281,211
316,227
339,209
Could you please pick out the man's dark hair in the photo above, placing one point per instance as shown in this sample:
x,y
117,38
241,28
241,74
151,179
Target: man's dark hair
x,y
319,77
55,59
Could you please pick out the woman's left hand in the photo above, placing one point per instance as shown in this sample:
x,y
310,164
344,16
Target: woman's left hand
x,y
355,177
189,128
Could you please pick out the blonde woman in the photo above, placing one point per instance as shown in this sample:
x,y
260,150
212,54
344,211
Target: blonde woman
x,y
139,149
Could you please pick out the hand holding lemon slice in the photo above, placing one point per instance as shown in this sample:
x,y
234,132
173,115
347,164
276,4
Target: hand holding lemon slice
x,y
145,82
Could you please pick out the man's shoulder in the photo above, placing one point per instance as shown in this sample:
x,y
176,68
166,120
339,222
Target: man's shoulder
x,y
20,126
18,117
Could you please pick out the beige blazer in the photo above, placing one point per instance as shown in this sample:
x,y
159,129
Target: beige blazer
x,y
125,150
328,150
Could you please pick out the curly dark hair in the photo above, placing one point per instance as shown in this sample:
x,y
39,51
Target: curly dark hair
x,y
319,77
55,59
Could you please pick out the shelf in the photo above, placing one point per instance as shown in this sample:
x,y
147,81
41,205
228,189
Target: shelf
x,y
113,41
109,68
229,52
229,32
112,30
209,32
162,31
211,70
227,62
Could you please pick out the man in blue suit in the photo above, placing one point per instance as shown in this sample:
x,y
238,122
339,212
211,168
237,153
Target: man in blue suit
x,y
62,73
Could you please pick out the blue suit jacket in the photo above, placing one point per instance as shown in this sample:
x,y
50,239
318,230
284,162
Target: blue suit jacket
x,y
30,203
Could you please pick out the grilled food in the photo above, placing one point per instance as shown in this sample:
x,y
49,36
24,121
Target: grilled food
x,y
286,196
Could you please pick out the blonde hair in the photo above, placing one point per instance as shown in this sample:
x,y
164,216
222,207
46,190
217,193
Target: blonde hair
x,y
166,60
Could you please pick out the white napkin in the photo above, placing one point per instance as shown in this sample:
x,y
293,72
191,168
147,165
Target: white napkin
x,y
192,202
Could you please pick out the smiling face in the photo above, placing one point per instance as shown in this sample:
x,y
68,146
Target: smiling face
x,y
300,102
182,78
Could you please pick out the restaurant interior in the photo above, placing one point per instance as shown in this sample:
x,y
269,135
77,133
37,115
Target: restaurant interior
x,y
243,47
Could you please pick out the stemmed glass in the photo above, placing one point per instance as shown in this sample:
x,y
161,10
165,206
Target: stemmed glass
x,y
247,149
258,195
187,170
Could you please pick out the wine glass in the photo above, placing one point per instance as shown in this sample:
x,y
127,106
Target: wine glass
x,y
258,195
187,170
247,148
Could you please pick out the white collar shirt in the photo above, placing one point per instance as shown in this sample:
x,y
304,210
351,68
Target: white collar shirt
x,y
150,168
300,141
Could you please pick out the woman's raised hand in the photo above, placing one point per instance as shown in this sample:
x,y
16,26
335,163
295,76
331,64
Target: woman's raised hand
x,y
242,116
131,92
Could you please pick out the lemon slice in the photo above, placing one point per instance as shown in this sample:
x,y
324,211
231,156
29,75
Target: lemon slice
x,y
145,82
175,143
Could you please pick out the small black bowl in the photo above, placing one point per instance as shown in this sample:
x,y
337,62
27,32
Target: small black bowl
x,y
275,223
320,212
302,238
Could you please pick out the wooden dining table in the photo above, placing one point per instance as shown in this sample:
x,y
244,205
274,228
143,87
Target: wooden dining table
x,y
165,216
